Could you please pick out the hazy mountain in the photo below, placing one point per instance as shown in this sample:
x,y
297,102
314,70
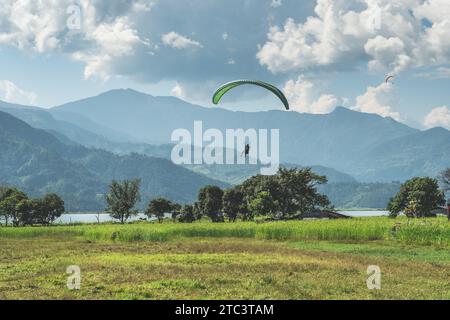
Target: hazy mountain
x,y
70,133
419,154
348,141
38,162
236,174
360,195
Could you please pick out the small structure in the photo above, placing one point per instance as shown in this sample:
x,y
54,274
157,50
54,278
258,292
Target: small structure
x,y
323,214
316,214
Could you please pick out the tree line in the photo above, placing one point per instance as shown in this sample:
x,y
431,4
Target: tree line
x,y
18,209
290,192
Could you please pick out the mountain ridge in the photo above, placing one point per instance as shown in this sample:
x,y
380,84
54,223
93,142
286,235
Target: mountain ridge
x,y
345,139
36,161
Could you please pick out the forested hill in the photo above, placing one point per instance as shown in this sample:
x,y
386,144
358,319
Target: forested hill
x,y
38,162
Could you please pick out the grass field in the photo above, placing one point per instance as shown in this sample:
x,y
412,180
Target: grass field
x,y
283,260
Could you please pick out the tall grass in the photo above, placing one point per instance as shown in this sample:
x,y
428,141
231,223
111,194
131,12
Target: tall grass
x,y
429,231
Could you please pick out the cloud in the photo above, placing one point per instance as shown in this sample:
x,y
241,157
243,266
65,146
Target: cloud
x,y
438,117
179,92
304,97
384,36
137,38
177,41
378,100
11,93
387,54
110,41
276,3
437,73
103,36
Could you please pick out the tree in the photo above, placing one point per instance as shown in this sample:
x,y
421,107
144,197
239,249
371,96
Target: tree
x,y
176,211
158,207
417,197
9,200
210,203
263,204
298,191
293,190
29,212
187,214
445,179
233,203
52,207
122,199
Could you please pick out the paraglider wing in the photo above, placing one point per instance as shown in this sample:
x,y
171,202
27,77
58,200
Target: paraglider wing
x,y
389,78
233,84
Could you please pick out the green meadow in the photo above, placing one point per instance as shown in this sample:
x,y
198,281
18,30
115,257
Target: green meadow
x,y
316,259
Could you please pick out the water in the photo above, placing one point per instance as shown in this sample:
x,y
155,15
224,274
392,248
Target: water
x,y
92,218
378,213
105,217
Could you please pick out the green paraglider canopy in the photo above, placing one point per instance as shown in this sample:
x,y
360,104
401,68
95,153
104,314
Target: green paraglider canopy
x,y
233,84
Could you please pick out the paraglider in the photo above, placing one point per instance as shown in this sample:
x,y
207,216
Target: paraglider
x,y
233,84
389,78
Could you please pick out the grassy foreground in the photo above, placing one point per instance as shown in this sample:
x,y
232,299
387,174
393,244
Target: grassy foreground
x,y
283,260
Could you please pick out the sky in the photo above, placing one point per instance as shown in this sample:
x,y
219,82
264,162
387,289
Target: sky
x,y
321,53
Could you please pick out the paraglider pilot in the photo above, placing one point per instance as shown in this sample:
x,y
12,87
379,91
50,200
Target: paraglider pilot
x,y
247,150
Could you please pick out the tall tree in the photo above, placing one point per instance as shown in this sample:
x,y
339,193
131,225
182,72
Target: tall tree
x,y
175,211
293,190
210,202
158,207
187,214
9,200
445,179
233,203
417,197
122,198
30,212
263,204
52,207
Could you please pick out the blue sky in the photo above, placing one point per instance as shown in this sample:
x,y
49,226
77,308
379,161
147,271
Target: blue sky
x,y
322,53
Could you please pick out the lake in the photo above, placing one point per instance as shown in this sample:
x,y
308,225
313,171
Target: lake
x,y
104,217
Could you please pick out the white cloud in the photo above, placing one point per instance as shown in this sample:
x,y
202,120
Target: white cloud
x,y
10,92
304,97
105,35
177,41
276,3
438,73
178,91
111,41
387,54
123,38
378,100
387,36
438,117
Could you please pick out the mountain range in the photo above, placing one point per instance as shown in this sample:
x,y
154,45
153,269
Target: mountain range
x,y
39,162
77,148
367,146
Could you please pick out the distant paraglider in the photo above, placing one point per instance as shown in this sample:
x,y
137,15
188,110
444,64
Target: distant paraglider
x,y
389,79
233,84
